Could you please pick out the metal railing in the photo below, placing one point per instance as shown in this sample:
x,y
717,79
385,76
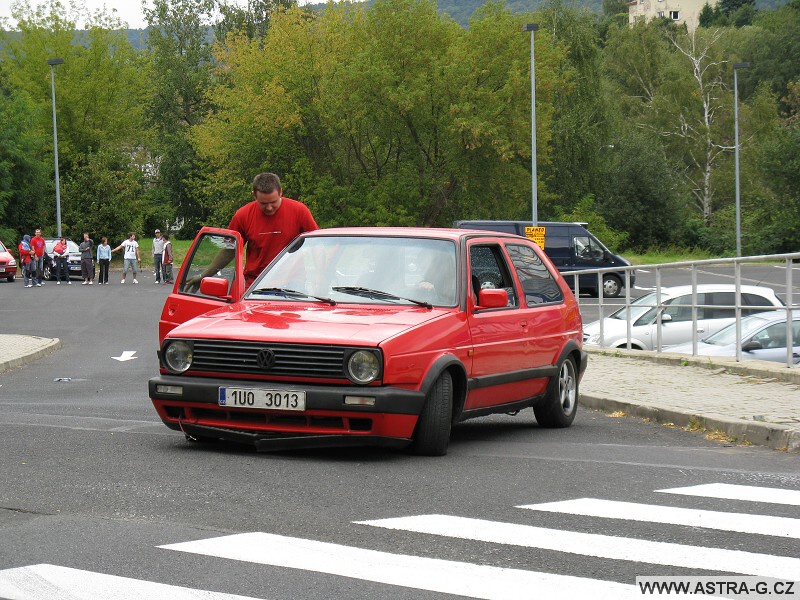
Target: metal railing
x,y
695,266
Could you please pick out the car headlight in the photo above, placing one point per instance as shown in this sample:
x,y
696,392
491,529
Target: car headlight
x,y
592,339
12,263
178,356
363,367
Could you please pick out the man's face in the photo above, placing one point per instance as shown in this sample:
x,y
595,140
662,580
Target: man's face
x,y
86,236
158,234
268,203
38,233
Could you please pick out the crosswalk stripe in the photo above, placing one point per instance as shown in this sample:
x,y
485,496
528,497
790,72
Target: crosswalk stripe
x,y
727,491
601,546
672,515
51,582
436,575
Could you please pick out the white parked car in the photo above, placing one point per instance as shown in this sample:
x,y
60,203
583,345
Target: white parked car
x,y
715,310
763,338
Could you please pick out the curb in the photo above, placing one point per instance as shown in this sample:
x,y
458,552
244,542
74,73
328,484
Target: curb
x,y
772,435
45,347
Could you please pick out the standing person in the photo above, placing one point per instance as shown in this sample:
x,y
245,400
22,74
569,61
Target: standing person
x,y
267,224
27,260
131,256
158,253
103,259
38,246
86,247
61,253
167,260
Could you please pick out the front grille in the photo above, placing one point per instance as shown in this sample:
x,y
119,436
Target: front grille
x,y
293,360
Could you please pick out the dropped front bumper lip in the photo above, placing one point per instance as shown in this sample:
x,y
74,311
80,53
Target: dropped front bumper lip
x,y
273,442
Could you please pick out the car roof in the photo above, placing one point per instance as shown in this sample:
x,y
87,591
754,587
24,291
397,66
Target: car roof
x,y
419,232
681,290
774,316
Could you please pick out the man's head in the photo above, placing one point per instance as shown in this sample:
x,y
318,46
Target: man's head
x,y
132,235
267,193
86,235
166,237
38,233
158,233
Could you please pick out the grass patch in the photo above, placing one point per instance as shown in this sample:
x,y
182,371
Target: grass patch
x,y
655,256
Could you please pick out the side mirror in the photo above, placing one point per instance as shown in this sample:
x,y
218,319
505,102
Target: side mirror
x,y
493,299
752,345
215,286
666,318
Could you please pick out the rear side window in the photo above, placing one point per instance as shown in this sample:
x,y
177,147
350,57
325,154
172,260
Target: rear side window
x,y
756,303
538,284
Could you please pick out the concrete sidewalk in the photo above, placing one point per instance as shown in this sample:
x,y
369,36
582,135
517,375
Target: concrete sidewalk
x,y
752,402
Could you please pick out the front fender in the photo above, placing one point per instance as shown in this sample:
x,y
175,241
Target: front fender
x,y
459,374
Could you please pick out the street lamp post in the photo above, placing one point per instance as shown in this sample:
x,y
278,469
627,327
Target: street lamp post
x,y
53,62
534,208
736,66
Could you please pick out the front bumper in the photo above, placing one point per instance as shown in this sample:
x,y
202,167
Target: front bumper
x,y
327,420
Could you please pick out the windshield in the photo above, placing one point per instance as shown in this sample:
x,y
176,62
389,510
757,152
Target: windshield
x,y
2,248
362,269
727,335
637,308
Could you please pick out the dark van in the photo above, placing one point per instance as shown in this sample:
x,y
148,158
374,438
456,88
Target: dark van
x,y
570,246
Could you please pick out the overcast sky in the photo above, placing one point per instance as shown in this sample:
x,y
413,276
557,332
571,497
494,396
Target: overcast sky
x,y
129,11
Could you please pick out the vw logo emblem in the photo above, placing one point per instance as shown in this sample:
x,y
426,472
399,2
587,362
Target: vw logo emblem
x,y
266,359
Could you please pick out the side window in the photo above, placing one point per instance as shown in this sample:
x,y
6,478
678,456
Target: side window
x,y
488,270
558,248
680,309
587,249
722,305
773,336
538,284
756,303
213,256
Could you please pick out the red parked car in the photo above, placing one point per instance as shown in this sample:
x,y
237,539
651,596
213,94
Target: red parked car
x,y
8,264
366,336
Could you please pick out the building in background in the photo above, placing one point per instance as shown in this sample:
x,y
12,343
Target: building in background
x,y
680,11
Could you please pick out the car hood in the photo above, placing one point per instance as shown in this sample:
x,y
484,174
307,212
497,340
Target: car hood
x,y
703,349
306,324
611,327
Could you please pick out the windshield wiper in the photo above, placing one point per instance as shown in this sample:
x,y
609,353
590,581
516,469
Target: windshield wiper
x,y
293,294
377,294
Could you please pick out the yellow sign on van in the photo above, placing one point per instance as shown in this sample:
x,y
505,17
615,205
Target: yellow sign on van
x,y
536,234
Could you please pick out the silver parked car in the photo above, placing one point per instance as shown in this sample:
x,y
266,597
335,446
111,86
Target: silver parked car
x,y
715,310
763,338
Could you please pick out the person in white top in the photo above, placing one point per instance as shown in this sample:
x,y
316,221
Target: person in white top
x,y
131,257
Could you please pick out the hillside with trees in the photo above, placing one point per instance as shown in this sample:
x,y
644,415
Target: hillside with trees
x,y
394,114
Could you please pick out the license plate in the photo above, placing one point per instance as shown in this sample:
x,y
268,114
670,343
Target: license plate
x,y
235,397
2,269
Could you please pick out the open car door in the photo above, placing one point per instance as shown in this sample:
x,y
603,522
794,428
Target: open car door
x,y
216,256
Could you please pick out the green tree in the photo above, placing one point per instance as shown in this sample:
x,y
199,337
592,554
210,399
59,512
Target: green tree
x,y
180,75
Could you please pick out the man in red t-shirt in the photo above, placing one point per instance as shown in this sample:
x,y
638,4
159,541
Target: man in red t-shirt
x,y
269,223
38,246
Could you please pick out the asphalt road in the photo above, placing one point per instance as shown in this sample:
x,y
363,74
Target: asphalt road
x,y
93,487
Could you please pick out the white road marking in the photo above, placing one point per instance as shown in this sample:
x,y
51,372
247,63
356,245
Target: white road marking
x,y
747,493
51,582
651,513
126,355
448,577
601,546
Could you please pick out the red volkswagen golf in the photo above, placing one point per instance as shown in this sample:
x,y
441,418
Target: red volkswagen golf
x,y
366,336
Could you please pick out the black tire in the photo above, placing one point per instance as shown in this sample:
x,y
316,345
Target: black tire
x,y
10,279
561,399
612,286
432,434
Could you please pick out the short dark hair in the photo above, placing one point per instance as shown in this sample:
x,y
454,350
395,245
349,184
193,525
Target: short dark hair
x,y
266,183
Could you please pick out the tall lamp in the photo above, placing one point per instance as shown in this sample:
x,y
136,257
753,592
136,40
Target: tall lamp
x,y
53,62
534,207
736,67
